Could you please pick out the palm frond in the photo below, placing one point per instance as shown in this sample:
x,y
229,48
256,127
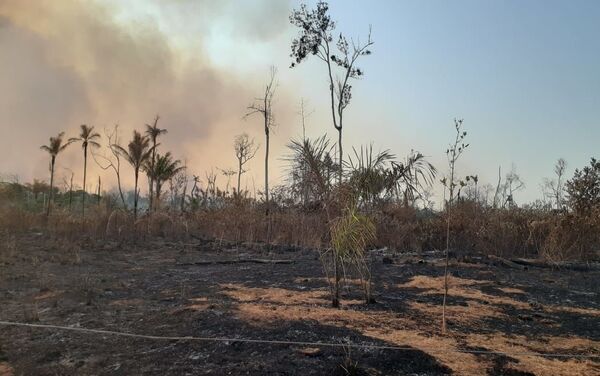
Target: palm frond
x,y
351,234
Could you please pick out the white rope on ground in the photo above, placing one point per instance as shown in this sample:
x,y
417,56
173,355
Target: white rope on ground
x,y
297,343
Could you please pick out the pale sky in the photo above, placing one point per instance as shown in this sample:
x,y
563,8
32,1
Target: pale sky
x,y
524,74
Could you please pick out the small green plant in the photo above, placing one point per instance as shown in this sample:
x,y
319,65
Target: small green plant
x,y
351,233
348,367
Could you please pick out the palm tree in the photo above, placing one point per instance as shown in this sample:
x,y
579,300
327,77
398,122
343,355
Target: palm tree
x,y
152,131
163,169
54,147
137,154
88,138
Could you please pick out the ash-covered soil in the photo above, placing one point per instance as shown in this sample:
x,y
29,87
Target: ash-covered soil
x,y
159,288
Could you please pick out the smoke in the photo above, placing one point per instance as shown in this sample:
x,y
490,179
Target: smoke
x,y
66,63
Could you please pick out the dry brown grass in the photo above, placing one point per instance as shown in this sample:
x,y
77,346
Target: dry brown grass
x,y
463,288
503,232
540,365
6,369
261,306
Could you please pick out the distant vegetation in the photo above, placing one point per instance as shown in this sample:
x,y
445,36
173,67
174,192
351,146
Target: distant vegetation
x,y
341,204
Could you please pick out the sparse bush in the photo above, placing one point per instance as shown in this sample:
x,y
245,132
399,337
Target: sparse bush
x,y
584,189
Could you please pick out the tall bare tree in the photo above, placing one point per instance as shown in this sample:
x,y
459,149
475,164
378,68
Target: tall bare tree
x,y
245,150
304,114
153,132
138,152
112,161
556,187
70,185
316,38
512,184
302,172
264,106
88,138
55,146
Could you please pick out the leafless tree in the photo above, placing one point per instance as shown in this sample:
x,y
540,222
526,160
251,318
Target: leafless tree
x,y
112,160
497,192
245,150
512,184
556,187
303,172
68,184
177,188
264,106
304,114
485,194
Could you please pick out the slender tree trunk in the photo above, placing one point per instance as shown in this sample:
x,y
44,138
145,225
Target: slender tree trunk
x,y
448,205
340,157
135,195
267,168
268,203
446,270
336,266
99,188
84,176
71,193
158,189
239,177
150,194
336,296
331,87
151,188
338,127
498,187
121,191
51,195
183,196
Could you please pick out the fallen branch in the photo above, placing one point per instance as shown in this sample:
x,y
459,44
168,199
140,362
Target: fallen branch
x,y
244,261
576,266
507,263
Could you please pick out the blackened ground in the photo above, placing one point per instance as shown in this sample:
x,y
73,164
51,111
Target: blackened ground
x,y
155,288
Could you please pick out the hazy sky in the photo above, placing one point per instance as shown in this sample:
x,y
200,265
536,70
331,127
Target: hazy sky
x,y
525,76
